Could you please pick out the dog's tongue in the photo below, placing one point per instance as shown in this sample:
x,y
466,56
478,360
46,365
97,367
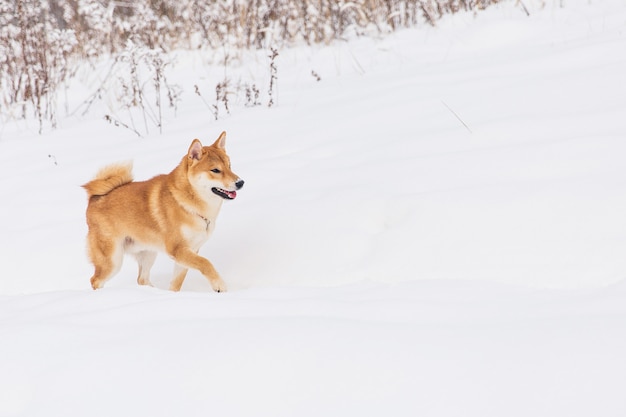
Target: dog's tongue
x,y
231,194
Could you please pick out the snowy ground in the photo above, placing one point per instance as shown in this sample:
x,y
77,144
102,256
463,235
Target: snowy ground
x,y
382,259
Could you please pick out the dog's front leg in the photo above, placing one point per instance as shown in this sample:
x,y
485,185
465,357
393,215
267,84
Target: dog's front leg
x,y
187,258
180,272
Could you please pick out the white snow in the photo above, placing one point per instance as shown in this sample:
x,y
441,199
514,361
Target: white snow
x,y
436,228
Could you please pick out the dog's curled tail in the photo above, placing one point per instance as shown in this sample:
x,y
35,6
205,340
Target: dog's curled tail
x,y
109,178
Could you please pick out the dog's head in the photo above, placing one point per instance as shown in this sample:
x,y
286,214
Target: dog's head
x,y
209,169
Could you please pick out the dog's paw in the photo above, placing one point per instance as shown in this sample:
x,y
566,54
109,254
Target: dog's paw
x,y
96,284
218,285
144,281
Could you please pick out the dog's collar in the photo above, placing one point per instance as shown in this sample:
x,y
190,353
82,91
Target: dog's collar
x,y
207,221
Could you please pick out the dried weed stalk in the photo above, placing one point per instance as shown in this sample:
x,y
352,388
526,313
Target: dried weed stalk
x,y
273,76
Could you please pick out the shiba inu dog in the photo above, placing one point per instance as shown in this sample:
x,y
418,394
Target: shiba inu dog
x,y
173,213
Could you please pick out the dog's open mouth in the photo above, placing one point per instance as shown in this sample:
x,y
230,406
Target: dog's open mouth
x,y
228,195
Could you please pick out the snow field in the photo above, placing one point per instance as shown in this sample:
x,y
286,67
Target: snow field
x,y
382,258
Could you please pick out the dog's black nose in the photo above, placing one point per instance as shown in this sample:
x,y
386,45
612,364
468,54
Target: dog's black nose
x,y
239,184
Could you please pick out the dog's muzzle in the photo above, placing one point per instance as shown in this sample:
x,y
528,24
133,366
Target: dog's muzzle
x,y
228,195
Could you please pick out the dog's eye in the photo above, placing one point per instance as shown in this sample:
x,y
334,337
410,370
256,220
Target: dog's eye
x,y
215,170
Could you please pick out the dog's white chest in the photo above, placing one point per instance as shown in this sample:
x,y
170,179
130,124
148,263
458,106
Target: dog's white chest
x,y
199,233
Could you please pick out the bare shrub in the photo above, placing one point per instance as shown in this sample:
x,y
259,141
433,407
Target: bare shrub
x,y
34,60
106,25
40,38
137,80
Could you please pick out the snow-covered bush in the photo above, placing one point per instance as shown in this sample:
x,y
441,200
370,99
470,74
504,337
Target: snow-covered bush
x,y
34,59
38,37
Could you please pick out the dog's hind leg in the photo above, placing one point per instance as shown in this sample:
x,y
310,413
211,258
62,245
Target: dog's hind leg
x,y
107,258
180,272
145,259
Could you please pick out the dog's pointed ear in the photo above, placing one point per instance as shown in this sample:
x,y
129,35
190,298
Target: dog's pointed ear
x,y
195,150
220,143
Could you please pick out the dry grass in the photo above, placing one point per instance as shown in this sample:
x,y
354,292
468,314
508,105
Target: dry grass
x,y
42,40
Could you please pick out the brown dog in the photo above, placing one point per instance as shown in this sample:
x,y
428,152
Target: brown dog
x,y
173,213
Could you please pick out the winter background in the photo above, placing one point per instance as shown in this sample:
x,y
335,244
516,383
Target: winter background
x,y
436,227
